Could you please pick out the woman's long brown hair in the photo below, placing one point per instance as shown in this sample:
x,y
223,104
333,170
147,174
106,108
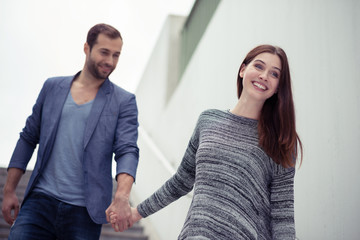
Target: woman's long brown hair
x,y
276,126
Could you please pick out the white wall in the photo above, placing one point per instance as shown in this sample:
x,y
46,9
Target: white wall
x,y
321,39
152,96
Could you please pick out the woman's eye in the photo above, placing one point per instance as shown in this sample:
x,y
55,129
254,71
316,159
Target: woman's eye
x,y
275,74
258,66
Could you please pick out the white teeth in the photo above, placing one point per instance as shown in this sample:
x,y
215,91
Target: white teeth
x,y
259,85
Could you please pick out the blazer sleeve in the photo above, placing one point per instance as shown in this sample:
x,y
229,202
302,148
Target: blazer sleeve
x,y
125,144
30,135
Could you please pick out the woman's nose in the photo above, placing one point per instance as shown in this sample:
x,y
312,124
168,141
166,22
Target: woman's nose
x,y
263,75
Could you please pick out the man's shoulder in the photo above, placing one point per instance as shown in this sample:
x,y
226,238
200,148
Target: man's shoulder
x,y
119,90
58,79
61,77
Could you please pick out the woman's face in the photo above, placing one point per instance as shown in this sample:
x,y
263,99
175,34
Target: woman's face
x,y
261,76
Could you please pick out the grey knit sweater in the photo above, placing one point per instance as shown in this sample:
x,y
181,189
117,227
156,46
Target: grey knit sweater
x,y
239,192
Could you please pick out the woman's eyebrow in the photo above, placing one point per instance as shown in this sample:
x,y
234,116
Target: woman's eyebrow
x,y
258,60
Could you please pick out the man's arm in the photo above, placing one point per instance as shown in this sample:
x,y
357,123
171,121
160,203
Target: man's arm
x,y
126,157
120,204
25,146
10,204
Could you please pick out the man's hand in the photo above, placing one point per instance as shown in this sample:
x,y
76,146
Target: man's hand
x,y
120,205
135,217
10,207
121,212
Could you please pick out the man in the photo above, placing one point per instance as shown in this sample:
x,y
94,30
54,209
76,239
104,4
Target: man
x,y
79,122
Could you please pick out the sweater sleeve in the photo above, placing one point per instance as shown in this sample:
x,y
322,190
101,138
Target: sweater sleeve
x,y
178,185
282,204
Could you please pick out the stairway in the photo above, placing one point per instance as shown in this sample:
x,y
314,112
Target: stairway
x,y
136,232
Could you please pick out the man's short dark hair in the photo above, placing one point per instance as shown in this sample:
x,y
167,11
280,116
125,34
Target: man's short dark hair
x,y
103,28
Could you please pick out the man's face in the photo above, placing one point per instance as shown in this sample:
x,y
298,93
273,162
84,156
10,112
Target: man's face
x,y
102,59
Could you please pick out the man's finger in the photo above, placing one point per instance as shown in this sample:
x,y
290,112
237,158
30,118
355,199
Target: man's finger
x,y
113,219
130,223
16,212
107,216
7,216
125,225
115,227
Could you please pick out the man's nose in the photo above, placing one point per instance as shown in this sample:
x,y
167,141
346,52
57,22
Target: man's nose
x,y
109,61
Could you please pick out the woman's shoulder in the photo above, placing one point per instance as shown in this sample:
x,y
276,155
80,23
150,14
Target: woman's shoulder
x,y
213,113
208,116
228,117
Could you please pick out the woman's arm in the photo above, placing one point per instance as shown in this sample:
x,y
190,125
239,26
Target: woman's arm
x,y
180,183
282,204
177,186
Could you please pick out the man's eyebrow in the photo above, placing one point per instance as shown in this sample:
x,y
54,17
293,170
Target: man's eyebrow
x,y
258,60
108,50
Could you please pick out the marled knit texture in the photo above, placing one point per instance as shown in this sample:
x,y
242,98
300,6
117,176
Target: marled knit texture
x,y
239,192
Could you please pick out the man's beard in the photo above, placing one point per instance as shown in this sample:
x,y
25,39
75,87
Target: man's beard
x,y
94,70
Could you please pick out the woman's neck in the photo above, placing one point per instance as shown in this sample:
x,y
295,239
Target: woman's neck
x,y
247,108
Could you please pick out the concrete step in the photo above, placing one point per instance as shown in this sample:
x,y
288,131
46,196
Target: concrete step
x,y
133,233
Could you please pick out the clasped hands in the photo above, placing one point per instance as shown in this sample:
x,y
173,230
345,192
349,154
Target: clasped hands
x,y
120,223
121,215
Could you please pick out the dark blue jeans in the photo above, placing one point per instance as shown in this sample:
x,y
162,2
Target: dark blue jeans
x,y
42,217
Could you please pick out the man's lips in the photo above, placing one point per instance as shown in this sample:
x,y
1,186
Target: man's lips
x,y
105,69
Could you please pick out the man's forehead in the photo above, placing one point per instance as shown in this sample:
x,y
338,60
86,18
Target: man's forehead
x,y
104,42
102,37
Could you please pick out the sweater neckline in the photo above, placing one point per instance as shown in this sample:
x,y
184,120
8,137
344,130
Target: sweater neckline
x,y
242,119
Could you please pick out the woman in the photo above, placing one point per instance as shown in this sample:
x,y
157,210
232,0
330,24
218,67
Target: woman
x,y
240,162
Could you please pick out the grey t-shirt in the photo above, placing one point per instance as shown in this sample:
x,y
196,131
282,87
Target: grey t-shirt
x,y
63,176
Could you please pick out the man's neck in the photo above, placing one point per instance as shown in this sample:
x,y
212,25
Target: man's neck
x,y
88,80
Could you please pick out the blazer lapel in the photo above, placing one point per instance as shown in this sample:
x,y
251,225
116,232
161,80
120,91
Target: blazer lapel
x,y
52,112
96,110
59,96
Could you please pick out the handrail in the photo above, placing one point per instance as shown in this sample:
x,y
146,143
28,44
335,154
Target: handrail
x,y
160,156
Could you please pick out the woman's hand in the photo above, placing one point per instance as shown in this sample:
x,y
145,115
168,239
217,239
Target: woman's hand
x,y
114,218
135,215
